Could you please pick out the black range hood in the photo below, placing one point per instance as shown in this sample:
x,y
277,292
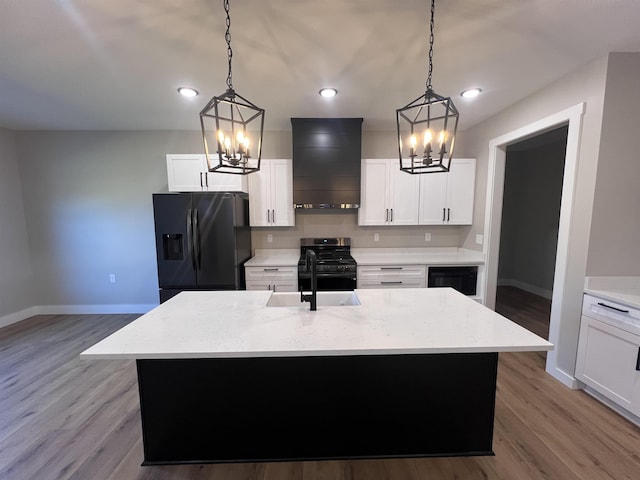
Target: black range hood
x,y
327,155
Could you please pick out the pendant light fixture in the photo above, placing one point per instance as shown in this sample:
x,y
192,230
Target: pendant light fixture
x,y
233,125
427,127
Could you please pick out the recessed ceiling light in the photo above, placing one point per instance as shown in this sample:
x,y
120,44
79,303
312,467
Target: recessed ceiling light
x,y
187,92
328,92
471,92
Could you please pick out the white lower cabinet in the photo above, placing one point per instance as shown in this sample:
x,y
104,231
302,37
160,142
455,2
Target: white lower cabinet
x,y
392,276
608,358
277,279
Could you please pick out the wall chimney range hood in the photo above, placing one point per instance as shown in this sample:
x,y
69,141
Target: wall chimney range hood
x,y
327,155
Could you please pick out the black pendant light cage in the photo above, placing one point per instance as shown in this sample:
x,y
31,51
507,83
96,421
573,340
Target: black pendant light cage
x,y
232,124
427,127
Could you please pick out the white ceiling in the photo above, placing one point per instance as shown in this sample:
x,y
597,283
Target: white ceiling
x,y
116,64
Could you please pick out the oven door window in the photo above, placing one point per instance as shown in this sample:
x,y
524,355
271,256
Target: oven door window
x,y
328,283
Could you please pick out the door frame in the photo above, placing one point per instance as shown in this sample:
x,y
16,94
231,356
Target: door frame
x,y
572,117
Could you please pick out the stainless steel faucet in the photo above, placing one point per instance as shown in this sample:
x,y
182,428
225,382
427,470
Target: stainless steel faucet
x,y
311,258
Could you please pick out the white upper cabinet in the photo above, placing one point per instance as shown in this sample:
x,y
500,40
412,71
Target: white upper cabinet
x,y
388,196
190,173
271,194
447,198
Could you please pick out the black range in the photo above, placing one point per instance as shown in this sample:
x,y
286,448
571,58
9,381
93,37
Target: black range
x,y
335,267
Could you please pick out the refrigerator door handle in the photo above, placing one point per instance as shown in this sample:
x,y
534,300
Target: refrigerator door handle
x,y
190,238
196,239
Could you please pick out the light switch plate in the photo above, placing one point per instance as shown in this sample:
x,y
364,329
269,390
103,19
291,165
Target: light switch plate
x,y
479,239
427,237
376,237
269,238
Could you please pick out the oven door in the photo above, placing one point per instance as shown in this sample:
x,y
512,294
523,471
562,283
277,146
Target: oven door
x,y
328,281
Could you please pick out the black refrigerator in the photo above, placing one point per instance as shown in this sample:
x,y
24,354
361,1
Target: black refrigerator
x,y
202,241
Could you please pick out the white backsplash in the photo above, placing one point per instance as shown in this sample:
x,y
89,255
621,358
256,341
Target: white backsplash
x,y
323,223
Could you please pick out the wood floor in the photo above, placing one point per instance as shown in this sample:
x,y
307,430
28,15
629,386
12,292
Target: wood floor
x,y
66,418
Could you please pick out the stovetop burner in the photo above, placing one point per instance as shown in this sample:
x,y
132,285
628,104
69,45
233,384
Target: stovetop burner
x,y
333,255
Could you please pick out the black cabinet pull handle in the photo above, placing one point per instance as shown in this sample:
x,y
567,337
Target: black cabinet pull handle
x,y
638,361
613,308
392,214
270,269
390,268
390,283
448,214
443,213
201,180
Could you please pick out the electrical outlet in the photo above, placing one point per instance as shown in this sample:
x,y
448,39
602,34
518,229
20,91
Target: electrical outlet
x,y
112,278
269,238
427,237
376,237
479,239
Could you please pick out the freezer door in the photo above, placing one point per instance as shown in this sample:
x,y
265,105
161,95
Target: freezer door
x,y
173,217
215,240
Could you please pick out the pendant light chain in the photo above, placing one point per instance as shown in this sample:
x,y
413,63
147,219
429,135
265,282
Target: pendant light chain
x,y
227,37
431,39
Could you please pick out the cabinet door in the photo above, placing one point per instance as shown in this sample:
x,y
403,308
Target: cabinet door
x,y
374,194
433,198
260,196
608,361
405,195
282,214
185,172
460,191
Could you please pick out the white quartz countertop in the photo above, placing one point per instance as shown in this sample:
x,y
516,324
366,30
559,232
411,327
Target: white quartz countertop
x,y
624,290
388,321
377,256
276,257
417,256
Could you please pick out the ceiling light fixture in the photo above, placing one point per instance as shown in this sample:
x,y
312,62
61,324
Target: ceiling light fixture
x,y
429,124
188,92
471,92
233,124
328,92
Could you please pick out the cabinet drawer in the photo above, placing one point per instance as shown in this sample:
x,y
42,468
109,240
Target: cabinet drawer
x,y
391,283
612,313
275,286
395,272
272,273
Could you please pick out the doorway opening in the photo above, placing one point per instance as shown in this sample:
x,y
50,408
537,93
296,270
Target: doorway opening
x,y
565,283
534,170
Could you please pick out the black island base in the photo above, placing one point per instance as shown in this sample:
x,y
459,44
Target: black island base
x,y
314,408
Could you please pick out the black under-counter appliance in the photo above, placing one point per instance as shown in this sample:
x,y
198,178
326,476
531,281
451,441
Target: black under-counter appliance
x,y
462,279
335,267
202,241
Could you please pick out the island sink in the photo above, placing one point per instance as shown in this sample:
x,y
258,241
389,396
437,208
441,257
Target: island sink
x,y
325,299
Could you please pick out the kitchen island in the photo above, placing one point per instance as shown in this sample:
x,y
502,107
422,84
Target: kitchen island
x,y
225,378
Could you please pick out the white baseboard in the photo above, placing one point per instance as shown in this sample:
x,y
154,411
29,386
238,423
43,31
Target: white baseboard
x,y
563,377
73,310
18,316
527,287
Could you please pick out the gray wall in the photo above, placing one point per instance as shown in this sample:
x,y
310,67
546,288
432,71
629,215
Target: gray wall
x,y
18,290
530,216
583,85
87,203
614,247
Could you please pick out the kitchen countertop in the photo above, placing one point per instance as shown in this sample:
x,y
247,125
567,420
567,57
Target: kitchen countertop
x,y
376,256
389,321
417,256
274,257
624,290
